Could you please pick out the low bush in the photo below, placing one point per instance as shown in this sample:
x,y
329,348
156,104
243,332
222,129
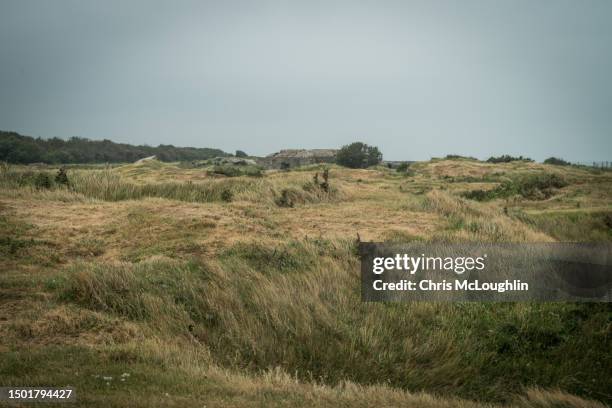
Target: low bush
x,y
286,199
459,157
404,168
229,171
479,195
62,177
42,181
237,171
506,158
557,162
532,187
227,195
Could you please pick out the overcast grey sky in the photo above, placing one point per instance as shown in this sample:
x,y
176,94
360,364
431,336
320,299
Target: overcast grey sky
x,y
416,78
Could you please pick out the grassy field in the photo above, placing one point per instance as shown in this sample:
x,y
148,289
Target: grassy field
x,y
160,284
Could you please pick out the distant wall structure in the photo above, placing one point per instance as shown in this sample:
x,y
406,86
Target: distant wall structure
x,y
290,158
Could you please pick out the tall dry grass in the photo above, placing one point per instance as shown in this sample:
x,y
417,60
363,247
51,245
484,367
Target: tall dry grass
x,y
297,306
109,185
477,222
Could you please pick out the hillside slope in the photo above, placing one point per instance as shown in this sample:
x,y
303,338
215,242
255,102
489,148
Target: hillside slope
x,y
243,291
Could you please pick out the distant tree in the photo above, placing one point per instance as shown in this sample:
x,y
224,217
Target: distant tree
x,y
15,148
556,161
358,156
240,153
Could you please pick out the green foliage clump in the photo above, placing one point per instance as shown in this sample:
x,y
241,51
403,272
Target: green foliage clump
x,y
322,185
237,171
479,195
227,195
459,157
358,156
506,158
229,171
557,161
42,181
532,187
290,257
286,199
574,226
39,180
61,177
402,168
240,153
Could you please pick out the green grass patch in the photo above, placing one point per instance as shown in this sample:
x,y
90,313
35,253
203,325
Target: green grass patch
x,y
532,187
573,226
166,294
236,171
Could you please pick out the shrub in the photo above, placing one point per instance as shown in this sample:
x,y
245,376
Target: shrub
x,y
530,186
405,169
240,153
236,171
324,185
61,177
556,161
507,159
227,195
42,181
607,219
402,167
228,171
285,199
457,157
479,195
533,187
358,156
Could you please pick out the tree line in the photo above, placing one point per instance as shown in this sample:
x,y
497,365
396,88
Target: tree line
x,y
16,148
